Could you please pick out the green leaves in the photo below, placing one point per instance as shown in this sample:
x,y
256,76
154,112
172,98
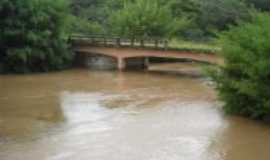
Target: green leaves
x,y
263,5
145,19
216,15
32,34
243,82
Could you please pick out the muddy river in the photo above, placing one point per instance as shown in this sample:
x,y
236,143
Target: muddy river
x,y
81,114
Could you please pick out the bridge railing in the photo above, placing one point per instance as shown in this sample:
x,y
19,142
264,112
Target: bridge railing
x,y
117,41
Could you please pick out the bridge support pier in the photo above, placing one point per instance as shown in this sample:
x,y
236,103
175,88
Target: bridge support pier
x,y
146,63
121,64
136,63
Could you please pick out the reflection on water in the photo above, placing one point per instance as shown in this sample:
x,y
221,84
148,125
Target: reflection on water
x,y
84,115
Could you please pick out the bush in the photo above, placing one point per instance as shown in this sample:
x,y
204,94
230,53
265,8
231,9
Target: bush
x,y
243,82
217,15
263,5
142,18
33,35
83,26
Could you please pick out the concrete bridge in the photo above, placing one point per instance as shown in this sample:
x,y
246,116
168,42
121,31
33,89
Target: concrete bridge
x,y
130,53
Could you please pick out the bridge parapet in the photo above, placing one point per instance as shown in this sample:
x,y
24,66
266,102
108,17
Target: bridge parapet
x,y
117,41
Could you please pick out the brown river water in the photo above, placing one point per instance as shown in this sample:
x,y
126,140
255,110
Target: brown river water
x,y
107,115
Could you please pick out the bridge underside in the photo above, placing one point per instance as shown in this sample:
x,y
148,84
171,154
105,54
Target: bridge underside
x,y
122,58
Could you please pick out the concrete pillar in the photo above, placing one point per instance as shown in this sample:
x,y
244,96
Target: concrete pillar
x,y
121,64
146,63
118,42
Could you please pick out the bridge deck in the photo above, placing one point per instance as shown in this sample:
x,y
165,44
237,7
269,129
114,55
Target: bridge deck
x,y
124,53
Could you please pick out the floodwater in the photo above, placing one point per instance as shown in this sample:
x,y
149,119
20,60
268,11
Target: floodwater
x,y
105,115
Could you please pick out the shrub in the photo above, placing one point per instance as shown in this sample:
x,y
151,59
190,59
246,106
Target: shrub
x,y
141,18
263,5
217,15
33,35
81,25
243,82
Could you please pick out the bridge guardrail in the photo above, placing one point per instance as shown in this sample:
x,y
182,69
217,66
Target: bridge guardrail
x,y
105,40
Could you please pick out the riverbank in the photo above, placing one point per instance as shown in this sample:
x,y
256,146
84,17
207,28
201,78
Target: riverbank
x,y
196,47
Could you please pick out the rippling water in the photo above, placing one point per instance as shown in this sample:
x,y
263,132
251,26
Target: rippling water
x,y
99,115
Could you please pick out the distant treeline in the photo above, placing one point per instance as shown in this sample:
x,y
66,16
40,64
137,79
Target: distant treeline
x,y
187,19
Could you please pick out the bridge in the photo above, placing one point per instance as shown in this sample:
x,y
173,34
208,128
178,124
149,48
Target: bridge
x,y
125,52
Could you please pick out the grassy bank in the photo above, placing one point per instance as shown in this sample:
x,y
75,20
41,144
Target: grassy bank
x,y
200,47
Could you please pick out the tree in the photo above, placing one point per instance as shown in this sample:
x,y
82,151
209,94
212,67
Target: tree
x,y
145,19
92,10
263,5
184,8
243,82
33,35
90,16
218,15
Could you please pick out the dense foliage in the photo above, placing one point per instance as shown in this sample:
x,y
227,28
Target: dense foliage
x,y
217,15
145,19
33,35
263,5
91,16
192,19
244,81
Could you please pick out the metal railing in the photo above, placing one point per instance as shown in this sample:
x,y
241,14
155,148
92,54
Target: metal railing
x,y
117,41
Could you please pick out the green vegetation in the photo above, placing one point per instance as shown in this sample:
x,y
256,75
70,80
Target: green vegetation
x,y
145,19
184,19
217,15
33,35
243,82
198,47
262,5
88,16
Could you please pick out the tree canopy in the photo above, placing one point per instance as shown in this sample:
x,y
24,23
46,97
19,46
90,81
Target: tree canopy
x,y
263,5
193,19
145,19
33,35
243,83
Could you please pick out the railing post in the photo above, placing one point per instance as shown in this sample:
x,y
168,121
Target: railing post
x,y
118,41
104,41
132,42
156,43
165,44
142,43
